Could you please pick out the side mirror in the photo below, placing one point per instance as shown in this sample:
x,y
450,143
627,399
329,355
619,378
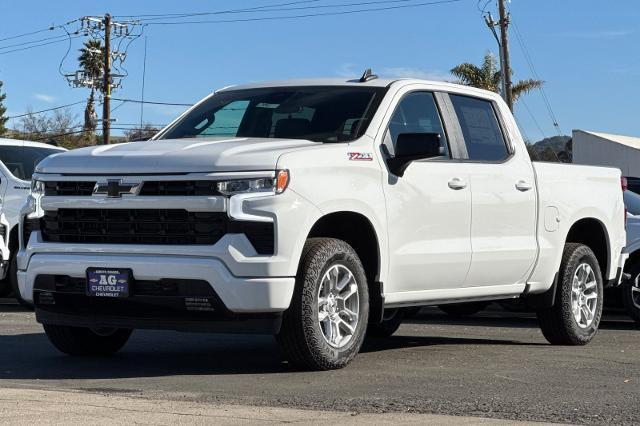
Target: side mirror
x,y
411,147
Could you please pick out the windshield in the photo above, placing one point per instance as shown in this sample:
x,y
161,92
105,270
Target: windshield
x,y
323,114
22,160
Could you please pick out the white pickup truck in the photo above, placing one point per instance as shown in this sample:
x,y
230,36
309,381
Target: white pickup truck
x,y
317,210
18,160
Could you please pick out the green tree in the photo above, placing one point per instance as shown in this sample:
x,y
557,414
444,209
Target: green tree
x,y
3,111
91,61
488,77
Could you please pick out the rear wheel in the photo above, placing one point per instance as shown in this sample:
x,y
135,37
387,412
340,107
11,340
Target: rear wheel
x,y
631,293
324,327
81,341
463,309
576,314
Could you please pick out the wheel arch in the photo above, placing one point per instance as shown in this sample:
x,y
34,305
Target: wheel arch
x,y
592,233
360,233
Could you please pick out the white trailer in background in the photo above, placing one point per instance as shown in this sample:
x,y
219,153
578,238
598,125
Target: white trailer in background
x,y
603,149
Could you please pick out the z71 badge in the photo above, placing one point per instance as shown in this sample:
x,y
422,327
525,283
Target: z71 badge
x,y
360,156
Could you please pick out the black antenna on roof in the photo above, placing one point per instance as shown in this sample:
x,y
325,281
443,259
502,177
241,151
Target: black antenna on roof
x,y
368,75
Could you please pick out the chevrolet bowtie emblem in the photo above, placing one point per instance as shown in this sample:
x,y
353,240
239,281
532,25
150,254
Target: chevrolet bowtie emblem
x,y
114,188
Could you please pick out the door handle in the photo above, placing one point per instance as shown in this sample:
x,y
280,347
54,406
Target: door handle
x,y
523,185
457,184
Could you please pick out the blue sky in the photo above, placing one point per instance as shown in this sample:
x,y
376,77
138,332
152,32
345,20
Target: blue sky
x,y
586,51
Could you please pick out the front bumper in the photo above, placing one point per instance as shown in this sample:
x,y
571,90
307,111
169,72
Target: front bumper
x,y
237,294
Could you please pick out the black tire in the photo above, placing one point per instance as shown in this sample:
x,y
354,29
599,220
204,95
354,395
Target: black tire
x,y
631,292
5,286
80,341
459,310
13,279
558,323
391,321
301,336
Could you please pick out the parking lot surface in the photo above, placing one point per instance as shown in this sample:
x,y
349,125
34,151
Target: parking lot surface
x,y
493,365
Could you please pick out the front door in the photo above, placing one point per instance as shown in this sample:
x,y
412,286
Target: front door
x,y
428,209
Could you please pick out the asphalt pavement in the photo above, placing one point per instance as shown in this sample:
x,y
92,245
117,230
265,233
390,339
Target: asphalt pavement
x,y
493,365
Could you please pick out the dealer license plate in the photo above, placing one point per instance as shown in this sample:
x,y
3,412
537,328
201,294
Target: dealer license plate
x,y
108,282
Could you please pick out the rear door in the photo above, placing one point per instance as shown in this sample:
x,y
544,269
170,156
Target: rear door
x,y
503,193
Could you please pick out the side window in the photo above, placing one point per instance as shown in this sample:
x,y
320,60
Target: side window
x,y
480,129
416,113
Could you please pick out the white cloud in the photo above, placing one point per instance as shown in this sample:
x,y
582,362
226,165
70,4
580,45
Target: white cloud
x,y
354,71
408,72
44,98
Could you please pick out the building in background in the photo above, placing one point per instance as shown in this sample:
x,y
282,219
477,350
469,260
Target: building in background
x,y
603,149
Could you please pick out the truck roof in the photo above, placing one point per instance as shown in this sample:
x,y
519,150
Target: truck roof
x,y
355,82
17,142
377,82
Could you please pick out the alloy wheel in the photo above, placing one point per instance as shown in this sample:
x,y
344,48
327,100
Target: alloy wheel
x,y
338,306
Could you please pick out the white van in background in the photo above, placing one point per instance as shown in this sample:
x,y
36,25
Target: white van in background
x,y
18,160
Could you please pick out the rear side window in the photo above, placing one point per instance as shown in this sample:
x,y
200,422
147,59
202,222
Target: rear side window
x,y
416,113
480,129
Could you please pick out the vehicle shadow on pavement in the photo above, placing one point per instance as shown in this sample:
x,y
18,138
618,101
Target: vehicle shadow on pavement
x,y
512,320
148,354
159,354
400,342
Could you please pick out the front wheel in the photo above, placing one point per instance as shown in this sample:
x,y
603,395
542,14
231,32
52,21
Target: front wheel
x,y
81,341
325,325
631,293
576,314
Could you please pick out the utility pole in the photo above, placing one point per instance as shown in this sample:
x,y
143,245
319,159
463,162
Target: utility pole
x,y
109,76
106,105
488,19
504,46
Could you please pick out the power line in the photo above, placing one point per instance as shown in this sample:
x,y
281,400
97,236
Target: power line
x,y
36,45
484,8
137,101
533,117
308,15
220,12
28,34
45,110
276,8
532,67
24,43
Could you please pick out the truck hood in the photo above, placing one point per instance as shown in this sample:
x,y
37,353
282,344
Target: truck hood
x,y
173,156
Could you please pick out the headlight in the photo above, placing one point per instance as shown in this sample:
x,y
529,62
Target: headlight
x,y
37,187
275,185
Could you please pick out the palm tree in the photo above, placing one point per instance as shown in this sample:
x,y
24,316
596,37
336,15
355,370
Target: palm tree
x,y
489,77
91,61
